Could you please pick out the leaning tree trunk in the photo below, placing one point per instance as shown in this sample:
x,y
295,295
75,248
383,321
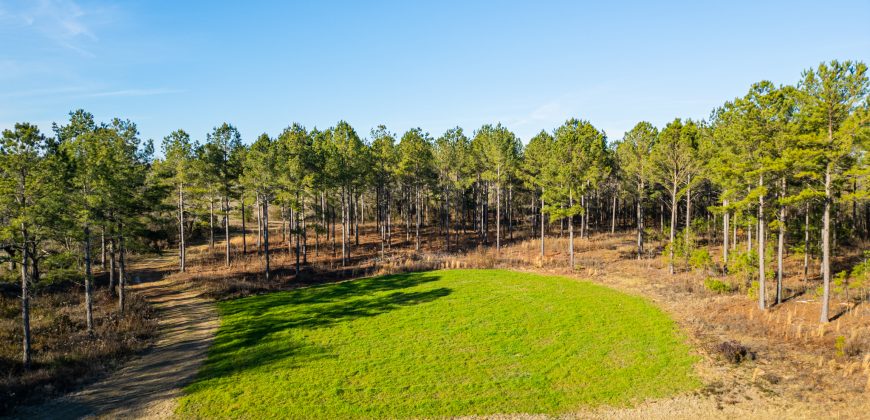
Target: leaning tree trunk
x,y
761,274
25,302
89,299
826,247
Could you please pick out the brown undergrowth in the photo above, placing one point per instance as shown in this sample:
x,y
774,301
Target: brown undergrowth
x,y
779,355
64,355
793,357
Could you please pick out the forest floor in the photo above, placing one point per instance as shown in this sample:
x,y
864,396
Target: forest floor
x,y
796,369
148,386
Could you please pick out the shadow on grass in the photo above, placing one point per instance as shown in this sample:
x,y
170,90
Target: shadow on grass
x,y
255,337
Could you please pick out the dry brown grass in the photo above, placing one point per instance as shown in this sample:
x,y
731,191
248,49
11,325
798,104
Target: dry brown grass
x,y
64,355
796,361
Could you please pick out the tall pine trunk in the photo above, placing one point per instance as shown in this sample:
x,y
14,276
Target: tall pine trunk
x,y
181,249
344,230
295,231
613,216
571,230
25,301
761,228
266,236
244,227
417,210
673,226
780,246
498,213
688,233
542,228
122,270
826,247
211,224
807,241
357,215
640,227
726,219
89,299
112,266
303,231
103,248
259,224
227,229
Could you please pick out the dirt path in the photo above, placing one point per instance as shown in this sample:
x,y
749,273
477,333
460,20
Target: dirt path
x,y
148,386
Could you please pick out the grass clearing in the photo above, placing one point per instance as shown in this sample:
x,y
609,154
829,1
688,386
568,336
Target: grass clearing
x,y
438,343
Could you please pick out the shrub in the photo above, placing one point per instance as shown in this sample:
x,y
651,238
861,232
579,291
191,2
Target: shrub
x,y
752,292
840,345
717,286
743,264
853,348
860,273
700,259
734,352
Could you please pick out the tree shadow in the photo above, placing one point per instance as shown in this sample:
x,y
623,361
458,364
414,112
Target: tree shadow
x,y
256,338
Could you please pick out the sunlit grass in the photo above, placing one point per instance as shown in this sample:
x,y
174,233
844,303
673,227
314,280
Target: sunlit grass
x,y
438,344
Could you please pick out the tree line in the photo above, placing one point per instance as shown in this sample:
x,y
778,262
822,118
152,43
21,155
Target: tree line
x,y
784,161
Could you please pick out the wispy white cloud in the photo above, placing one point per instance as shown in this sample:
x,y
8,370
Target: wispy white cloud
x,y
134,92
68,90
86,92
64,22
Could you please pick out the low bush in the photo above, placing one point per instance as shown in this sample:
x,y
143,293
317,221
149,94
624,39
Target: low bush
x,y
717,286
734,352
700,259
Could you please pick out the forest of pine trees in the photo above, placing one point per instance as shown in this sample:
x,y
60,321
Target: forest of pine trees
x,y
780,170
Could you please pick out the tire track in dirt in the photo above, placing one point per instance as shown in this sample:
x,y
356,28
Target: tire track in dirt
x,y
149,385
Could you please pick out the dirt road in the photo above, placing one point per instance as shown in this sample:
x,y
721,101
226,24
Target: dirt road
x,y
148,386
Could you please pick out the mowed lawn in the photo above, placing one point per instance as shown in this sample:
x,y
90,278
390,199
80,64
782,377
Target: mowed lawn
x,y
438,343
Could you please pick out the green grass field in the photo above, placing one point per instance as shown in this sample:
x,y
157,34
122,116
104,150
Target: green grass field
x,y
438,343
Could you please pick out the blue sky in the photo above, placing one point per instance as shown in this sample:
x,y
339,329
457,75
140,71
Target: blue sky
x,y
530,65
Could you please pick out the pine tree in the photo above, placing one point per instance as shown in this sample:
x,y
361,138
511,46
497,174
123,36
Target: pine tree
x,y
29,200
223,156
832,94
635,158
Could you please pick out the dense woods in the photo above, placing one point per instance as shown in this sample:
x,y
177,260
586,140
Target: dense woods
x,y
780,170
